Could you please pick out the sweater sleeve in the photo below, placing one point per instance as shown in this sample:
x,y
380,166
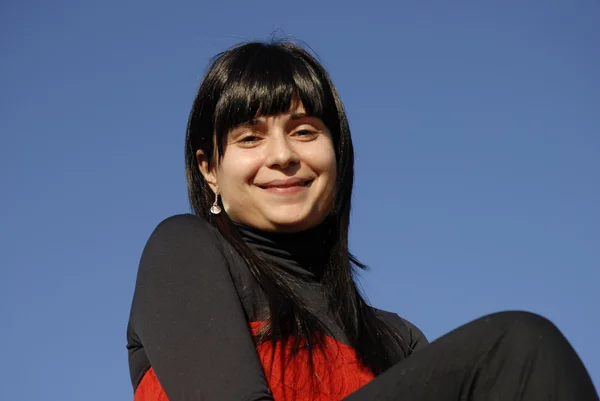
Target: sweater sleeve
x,y
188,318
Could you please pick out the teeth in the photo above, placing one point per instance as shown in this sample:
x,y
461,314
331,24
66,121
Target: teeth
x,y
304,183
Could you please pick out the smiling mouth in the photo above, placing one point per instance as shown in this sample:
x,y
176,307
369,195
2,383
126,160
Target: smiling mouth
x,y
304,183
287,187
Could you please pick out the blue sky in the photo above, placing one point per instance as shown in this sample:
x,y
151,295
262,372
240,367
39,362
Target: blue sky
x,y
477,135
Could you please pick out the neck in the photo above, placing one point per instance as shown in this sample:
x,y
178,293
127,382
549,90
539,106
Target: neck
x,y
302,254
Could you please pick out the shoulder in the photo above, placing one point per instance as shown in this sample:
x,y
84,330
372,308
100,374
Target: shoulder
x,y
181,225
410,332
181,243
184,232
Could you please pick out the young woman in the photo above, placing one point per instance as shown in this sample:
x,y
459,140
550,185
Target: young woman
x,y
253,296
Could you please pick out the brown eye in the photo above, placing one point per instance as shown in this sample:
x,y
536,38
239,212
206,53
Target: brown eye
x,y
249,139
305,133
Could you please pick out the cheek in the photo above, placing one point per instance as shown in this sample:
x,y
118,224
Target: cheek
x,y
234,175
320,155
327,167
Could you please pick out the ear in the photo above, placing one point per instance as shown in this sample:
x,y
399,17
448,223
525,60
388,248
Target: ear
x,y
207,171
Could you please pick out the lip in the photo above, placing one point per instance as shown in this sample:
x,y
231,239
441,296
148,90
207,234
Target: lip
x,y
288,185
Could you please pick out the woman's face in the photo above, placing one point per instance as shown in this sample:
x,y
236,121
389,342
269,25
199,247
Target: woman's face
x,y
277,173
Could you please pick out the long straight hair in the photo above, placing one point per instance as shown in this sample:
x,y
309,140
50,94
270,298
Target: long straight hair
x,y
262,79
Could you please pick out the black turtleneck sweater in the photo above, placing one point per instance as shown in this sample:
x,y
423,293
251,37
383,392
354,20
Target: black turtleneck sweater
x,y
189,335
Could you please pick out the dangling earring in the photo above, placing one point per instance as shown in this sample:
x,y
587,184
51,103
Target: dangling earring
x,y
215,208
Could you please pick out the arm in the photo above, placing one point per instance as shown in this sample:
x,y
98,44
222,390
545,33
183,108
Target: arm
x,y
189,319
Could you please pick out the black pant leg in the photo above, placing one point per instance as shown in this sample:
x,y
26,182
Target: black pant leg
x,y
506,356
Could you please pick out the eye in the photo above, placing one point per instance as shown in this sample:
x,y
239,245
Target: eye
x,y
306,133
249,139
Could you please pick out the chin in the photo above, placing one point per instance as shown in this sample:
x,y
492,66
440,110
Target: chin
x,y
287,224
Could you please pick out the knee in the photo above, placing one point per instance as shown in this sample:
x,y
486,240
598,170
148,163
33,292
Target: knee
x,y
526,330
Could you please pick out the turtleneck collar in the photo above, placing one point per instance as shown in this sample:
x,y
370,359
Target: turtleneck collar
x,y
302,254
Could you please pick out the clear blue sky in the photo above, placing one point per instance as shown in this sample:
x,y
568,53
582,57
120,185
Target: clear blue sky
x,y
477,134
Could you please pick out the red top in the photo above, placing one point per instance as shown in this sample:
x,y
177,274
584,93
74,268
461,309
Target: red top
x,y
333,381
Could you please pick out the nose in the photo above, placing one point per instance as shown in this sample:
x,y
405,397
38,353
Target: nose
x,y
281,153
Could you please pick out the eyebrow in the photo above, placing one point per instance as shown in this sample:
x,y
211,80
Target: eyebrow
x,y
298,116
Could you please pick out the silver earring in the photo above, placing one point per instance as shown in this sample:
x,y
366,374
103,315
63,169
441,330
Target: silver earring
x,y
215,208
